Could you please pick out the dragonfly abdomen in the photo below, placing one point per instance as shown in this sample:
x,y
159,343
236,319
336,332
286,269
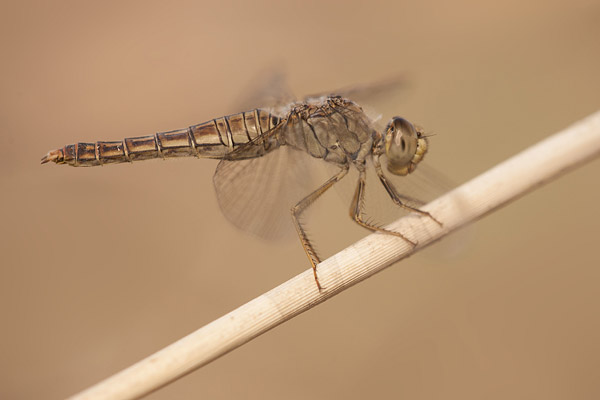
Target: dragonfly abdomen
x,y
212,139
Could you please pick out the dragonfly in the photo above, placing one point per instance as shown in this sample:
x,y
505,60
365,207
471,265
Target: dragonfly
x,y
330,128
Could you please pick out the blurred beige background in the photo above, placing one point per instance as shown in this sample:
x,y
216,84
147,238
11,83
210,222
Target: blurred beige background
x,y
104,266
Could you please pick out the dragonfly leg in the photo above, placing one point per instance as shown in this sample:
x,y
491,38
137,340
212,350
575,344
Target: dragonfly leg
x,y
357,209
303,205
391,189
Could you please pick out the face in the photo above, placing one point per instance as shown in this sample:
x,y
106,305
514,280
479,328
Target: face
x,y
404,146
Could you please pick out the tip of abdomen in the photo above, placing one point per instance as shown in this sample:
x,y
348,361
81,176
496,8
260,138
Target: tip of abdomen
x,y
56,156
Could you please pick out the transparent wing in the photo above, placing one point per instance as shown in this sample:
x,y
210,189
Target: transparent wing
x,y
256,194
421,186
416,189
425,184
268,88
373,93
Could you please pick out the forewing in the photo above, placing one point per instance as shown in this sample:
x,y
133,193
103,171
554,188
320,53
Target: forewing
x,y
268,89
415,190
373,93
421,186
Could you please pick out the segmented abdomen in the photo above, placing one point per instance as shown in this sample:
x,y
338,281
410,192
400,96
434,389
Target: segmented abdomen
x,y
212,139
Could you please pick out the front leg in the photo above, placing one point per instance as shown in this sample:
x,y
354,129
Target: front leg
x,y
393,193
357,208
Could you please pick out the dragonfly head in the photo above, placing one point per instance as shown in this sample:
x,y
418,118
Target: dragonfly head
x,y
405,146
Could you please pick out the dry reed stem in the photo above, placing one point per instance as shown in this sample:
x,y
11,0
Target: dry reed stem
x,y
485,193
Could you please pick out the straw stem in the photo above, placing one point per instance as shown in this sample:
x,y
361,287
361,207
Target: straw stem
x,y
505,182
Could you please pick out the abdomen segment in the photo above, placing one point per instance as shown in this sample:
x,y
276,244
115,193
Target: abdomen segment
x,y
212,139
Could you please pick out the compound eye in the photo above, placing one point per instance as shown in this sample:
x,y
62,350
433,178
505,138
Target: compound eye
x,y
400,143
